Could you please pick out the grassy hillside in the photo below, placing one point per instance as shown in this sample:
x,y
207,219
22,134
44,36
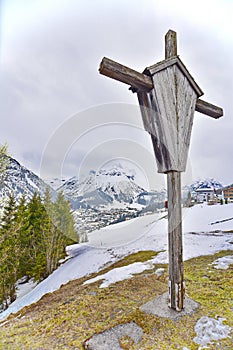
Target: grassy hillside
x,y
66,318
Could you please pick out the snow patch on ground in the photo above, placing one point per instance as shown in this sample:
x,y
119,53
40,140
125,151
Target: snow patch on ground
x,y
206,218
209,329
121,273
223,263
87,261
24,288
143,233
118,274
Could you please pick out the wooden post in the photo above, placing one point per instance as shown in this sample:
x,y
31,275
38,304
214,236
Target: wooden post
x,y
164,119
176,270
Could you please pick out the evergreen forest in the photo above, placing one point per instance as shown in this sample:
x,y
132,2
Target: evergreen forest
x,y
33,237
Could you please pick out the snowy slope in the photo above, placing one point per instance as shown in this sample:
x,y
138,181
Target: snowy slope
x,y
55,182
142,233
208,218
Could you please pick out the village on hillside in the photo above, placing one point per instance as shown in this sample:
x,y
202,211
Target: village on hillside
x,y
212,195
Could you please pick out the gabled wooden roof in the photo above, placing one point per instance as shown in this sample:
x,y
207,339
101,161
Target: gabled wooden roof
x,y
170,62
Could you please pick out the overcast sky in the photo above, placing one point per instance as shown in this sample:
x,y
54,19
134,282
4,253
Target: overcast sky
x,y
59,115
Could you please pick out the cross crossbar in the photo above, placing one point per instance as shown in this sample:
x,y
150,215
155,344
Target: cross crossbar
x,y
167,108
142,82
125,75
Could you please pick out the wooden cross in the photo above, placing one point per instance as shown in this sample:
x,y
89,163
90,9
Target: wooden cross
x,y
168,96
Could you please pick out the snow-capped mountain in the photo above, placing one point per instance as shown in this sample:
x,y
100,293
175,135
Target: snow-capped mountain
x,y
207,183
55,182
106,197
102,188
102,198
20,181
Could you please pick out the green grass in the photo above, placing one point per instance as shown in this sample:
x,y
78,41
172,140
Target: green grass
x,y
66,318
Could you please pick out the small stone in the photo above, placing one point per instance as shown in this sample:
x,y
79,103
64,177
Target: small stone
x,y
110,339
159,307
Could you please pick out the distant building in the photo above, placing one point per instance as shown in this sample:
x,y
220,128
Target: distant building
x,y
208,190
205,194
228,192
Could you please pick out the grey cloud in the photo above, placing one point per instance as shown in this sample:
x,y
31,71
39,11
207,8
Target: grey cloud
x,y
51,73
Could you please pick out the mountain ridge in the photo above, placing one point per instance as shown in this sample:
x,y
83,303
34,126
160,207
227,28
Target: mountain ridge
x,y
20,181
102,198
206,183
102,188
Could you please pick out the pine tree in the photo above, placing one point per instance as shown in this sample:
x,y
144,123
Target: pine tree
x,y
60,220
4,162
9,213
23,222
36,252
9,252
63,218
48,203
33,237
51,235
47,240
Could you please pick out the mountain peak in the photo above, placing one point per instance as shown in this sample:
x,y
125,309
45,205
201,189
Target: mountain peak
x,y
115,171
103,187
20,181
206,183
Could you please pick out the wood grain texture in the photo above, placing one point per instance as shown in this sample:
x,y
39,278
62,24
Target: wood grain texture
x,y
208,109
185,108
146,111
142,82
175,244
126,75
170,44
173,103
178,92
177,61
168,96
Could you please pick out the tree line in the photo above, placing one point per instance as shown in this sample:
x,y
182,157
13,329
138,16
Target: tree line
x,y
33,237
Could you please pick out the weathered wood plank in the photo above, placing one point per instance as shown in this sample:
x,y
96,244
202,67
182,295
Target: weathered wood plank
x,y
176,269
186,101
208,109
165,121
139,81
146,110
160,65
175,245
170,44
174,60
162,154
126,75
168,96
173,118
149,112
